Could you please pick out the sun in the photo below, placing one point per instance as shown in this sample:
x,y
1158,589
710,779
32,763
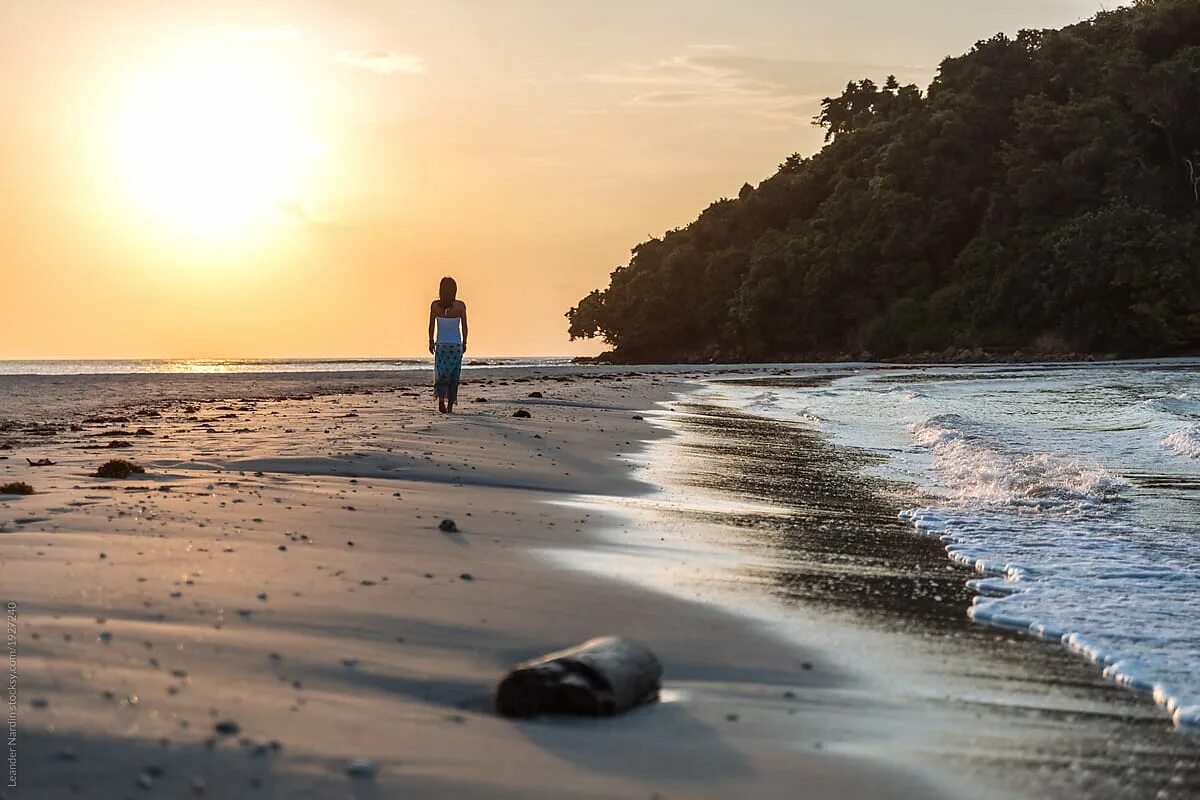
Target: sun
x,y
215,145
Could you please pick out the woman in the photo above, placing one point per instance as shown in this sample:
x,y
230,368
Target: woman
x,y
447,342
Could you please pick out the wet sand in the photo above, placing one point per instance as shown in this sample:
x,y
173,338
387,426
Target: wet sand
x,y
272,601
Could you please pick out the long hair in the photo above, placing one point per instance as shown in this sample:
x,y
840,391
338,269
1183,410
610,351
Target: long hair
x,y
447,290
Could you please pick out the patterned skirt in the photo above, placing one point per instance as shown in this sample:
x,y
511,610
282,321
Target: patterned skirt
x,y
447,367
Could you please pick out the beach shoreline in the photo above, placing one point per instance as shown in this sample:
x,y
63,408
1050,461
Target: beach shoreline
x,y
390,646
806,523
272,601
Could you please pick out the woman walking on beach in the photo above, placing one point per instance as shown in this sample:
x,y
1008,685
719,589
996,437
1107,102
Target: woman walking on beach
x,y
447,342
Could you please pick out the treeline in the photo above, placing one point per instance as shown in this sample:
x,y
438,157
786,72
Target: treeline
x,y
1042,195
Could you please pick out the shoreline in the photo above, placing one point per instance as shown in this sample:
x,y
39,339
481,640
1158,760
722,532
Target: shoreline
x,y
793,696
952,357
279,568
985,678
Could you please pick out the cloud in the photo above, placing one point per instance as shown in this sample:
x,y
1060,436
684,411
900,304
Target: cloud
x,y
277,34
384,62
716,76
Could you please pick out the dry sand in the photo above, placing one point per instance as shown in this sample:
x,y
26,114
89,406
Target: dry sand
x,y
273,601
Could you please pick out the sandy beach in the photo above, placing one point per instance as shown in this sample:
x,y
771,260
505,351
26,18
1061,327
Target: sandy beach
x,y
272,601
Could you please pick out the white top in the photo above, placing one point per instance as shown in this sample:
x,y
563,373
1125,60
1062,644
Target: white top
x,y
449,330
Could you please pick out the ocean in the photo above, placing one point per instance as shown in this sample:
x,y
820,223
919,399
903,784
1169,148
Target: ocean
x,y
238,366
1073,491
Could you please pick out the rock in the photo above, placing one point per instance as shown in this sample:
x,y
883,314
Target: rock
x,y
361,768
600,677
535,394
227,727
520,412
448,526
466,576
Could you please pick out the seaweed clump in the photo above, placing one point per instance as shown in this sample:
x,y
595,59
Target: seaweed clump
x,y
119,468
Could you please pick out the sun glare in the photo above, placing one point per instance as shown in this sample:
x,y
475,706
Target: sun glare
x,y
216,145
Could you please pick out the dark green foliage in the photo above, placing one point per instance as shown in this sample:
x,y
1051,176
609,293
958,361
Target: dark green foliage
x,y
118,468
1043,194
16,487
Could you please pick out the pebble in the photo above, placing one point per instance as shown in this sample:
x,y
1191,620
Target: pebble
x,y
448,525
361,768
520,412
466,576
227,727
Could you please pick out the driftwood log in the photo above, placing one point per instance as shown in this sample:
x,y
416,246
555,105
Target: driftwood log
x,y
600,677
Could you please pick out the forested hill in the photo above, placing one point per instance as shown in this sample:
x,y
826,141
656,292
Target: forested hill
x,y
1042,195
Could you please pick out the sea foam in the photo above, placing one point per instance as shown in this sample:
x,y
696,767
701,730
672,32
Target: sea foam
x,y
979,470
1185,441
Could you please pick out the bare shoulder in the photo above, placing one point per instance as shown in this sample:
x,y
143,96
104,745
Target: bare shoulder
x,y
460,306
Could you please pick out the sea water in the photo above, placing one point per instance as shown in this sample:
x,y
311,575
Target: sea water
x,y
1072,490
242,366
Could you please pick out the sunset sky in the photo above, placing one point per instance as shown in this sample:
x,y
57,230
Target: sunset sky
x,y
236,179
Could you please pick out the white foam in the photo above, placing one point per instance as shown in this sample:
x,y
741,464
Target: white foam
x,y
1084,594
1185,441
978,470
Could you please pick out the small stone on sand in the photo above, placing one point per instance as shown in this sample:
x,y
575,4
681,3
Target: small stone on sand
x,y
227,727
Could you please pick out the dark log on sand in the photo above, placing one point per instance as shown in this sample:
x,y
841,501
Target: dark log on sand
x,y
600,677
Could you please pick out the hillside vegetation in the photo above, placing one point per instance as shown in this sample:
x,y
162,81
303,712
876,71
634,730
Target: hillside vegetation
x,y
1042,195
